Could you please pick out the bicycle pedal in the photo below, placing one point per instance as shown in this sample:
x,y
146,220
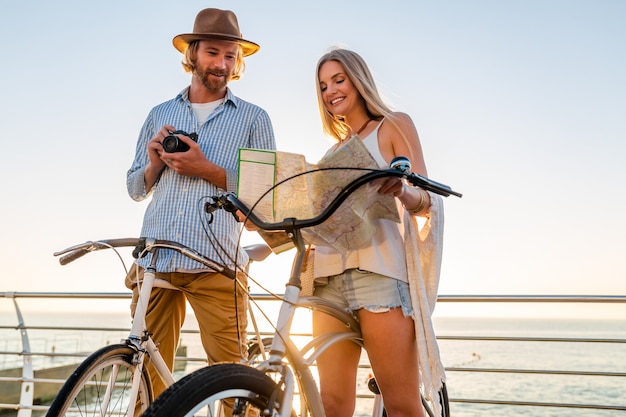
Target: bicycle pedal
x,y
373,386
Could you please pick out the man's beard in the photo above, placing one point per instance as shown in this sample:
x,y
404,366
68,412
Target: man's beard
x,y
211,83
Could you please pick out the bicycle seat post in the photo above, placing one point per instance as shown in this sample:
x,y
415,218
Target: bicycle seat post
x,y
146,285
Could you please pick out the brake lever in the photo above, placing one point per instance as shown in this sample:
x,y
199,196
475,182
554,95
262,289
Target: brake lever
x,y
221,202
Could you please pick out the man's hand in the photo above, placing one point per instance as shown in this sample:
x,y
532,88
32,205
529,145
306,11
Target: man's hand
x,y
190,163
155,148
156,164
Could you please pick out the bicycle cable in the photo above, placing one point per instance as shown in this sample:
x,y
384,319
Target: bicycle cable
x,y
215,242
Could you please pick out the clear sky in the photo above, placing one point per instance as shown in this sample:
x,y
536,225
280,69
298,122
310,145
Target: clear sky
x,y
520,105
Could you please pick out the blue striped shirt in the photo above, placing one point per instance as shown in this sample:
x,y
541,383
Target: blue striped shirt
x,y
176,209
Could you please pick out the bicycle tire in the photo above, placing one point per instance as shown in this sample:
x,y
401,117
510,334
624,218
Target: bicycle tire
x,y
443,400
84,392
254,350
443,403
247,391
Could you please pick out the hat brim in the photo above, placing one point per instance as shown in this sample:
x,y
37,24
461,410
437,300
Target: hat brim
x,y
181,42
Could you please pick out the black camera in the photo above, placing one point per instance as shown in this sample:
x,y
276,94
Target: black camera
x,y
172,143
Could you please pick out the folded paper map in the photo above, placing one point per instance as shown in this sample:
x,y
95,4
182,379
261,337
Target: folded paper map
x,y
270,181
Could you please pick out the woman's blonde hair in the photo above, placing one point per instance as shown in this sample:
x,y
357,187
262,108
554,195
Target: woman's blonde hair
x,y
191,54
359,74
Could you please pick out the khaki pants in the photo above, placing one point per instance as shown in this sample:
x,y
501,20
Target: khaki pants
x,y
212,298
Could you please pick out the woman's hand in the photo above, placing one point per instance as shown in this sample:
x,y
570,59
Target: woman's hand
x,y
414,199
393,186
250,227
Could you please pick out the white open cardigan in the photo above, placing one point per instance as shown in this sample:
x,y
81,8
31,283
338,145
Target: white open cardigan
x,y
423,260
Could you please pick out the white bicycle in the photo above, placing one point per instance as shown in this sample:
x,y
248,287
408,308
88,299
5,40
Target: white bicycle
x,y
269,387
113,380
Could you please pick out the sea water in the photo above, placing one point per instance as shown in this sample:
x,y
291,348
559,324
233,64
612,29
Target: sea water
x,y
556,356
495,355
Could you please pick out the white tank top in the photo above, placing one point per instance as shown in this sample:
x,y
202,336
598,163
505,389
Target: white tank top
x,y
385,256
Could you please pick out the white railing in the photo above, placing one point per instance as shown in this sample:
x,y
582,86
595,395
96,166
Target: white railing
x,y
30,383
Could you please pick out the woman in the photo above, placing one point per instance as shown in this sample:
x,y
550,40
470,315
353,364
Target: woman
x,y
371,282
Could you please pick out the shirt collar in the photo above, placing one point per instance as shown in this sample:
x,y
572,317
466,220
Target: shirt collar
x,y
230,97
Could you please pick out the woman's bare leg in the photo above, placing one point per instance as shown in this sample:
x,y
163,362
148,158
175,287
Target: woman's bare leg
x,y
337,368
392,349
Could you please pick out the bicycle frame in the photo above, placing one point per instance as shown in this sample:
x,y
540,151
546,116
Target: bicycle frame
x,y
282,347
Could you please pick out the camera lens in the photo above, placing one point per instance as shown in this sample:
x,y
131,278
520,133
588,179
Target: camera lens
x,y
171,144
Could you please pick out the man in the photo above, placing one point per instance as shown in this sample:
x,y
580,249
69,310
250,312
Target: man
x,y
178,181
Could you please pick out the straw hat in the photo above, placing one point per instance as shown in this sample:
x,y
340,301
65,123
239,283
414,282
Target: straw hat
x,y
215,24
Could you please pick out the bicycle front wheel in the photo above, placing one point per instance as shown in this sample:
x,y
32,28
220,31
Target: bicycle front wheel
x,y
225,389
444,403
101,386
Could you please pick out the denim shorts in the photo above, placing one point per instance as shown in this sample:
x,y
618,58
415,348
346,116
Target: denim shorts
x,y
355,289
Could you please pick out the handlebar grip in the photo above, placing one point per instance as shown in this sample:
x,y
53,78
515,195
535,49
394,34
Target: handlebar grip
x,y
72,256
430,185
403,164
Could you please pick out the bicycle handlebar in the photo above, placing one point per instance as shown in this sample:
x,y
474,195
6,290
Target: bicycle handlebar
x,y
231,203
142,246
77,251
